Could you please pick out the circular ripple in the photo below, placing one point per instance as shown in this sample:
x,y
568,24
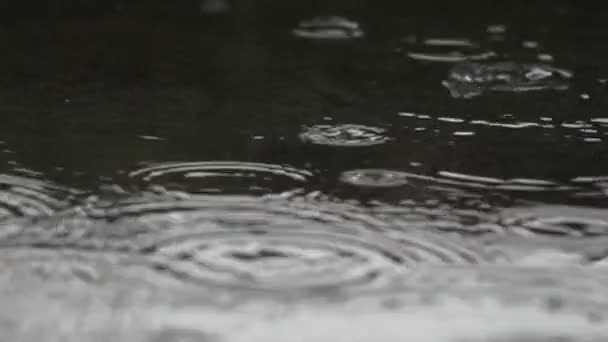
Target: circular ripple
x,y
29,266
447,50
301,259
328,28
557,220
24,197
344,135
221,177
261,244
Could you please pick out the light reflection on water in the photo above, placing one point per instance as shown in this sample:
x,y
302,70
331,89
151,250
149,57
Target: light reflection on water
x,y
301,181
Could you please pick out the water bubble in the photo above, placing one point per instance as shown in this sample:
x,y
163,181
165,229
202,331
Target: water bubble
x,y
226,177
344,135
25,196
448,50
332,27
467,80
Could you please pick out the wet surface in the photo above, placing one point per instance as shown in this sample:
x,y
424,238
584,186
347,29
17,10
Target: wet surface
x,y
312,171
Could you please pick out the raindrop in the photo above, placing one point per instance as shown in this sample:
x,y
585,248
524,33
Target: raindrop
x,y
225,177
344,135
332,27
448,50
467,80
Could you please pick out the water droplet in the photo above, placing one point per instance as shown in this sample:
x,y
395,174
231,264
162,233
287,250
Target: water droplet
x,y
585,96
344,135
467,80
544,57
328,28
448,50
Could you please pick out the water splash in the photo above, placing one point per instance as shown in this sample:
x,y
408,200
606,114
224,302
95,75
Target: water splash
x,y
220,177
332,27
344,135
467,80
447,50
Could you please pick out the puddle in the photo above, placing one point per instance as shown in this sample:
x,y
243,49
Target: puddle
x,y
347,171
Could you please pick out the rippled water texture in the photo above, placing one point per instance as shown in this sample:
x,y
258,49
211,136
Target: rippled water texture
x,y
472,79
312,171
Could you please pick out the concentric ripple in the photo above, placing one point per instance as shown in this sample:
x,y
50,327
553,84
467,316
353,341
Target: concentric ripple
x,y
225,177
258,244
467,80
447,50
286,259
332,27
31,266
557,220
344,135
24,196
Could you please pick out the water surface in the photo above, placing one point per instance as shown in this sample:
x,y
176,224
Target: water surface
x,y
310,171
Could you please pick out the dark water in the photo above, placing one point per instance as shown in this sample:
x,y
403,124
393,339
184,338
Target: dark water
x,y
303,171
